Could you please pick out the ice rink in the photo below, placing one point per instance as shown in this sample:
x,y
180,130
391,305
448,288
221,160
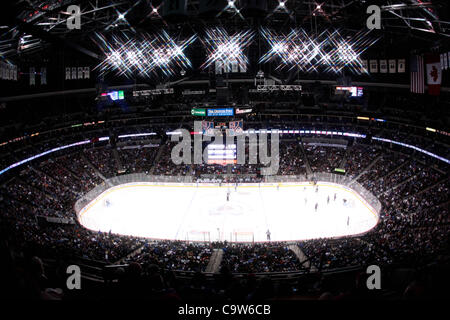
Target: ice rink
x,y
202,213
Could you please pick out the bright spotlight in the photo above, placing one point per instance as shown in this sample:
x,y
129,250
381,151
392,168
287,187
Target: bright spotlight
x,y
328,50
225,48
144,55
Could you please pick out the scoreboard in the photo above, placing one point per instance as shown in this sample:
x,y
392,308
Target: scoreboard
x,y
221,154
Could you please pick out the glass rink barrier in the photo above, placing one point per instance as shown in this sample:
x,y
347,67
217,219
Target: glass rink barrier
x,y
281,208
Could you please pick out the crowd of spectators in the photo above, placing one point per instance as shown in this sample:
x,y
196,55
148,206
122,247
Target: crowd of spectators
x,y
255,258
174,255
413,226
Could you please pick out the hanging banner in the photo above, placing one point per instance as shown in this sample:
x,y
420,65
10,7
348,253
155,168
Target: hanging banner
x,y
15,73
373,66
11,72
32,76
43,76
74,73
87,72
68,77
383,66
401,66
392,66
80,72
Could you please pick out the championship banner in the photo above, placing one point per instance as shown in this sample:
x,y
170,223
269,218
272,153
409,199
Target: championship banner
x,y
383,66
443,58
87,72
80,72
74,73
15,73
401,65
8,71
208,128
392,66
445,61
434,74
32,76
43,75
373,66
68,74
235,128
2,71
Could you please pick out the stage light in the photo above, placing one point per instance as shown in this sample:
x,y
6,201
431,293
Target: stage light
x,y
155,10
144,55
121,16
329,51
231,4
226,49
282,4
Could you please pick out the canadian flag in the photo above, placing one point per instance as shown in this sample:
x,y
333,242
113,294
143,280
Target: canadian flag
x,y
434,74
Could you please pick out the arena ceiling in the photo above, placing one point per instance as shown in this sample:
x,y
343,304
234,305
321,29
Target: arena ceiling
x,y
29,26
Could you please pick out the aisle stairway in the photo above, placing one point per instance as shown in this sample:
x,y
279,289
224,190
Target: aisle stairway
x,y
304,260
215,261
119,166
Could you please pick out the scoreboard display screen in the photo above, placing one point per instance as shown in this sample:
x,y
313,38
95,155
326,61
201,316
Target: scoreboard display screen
x,y
354,91
222,154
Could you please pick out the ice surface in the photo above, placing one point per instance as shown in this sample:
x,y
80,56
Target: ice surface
x,y
188,212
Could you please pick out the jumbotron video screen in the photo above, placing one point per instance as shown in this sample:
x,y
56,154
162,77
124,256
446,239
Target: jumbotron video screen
x,y
223,159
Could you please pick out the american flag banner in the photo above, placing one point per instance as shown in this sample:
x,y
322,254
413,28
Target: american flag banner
x,y
417,75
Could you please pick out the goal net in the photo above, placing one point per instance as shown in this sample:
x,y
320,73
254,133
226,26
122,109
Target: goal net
x,y
242,236
195,235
